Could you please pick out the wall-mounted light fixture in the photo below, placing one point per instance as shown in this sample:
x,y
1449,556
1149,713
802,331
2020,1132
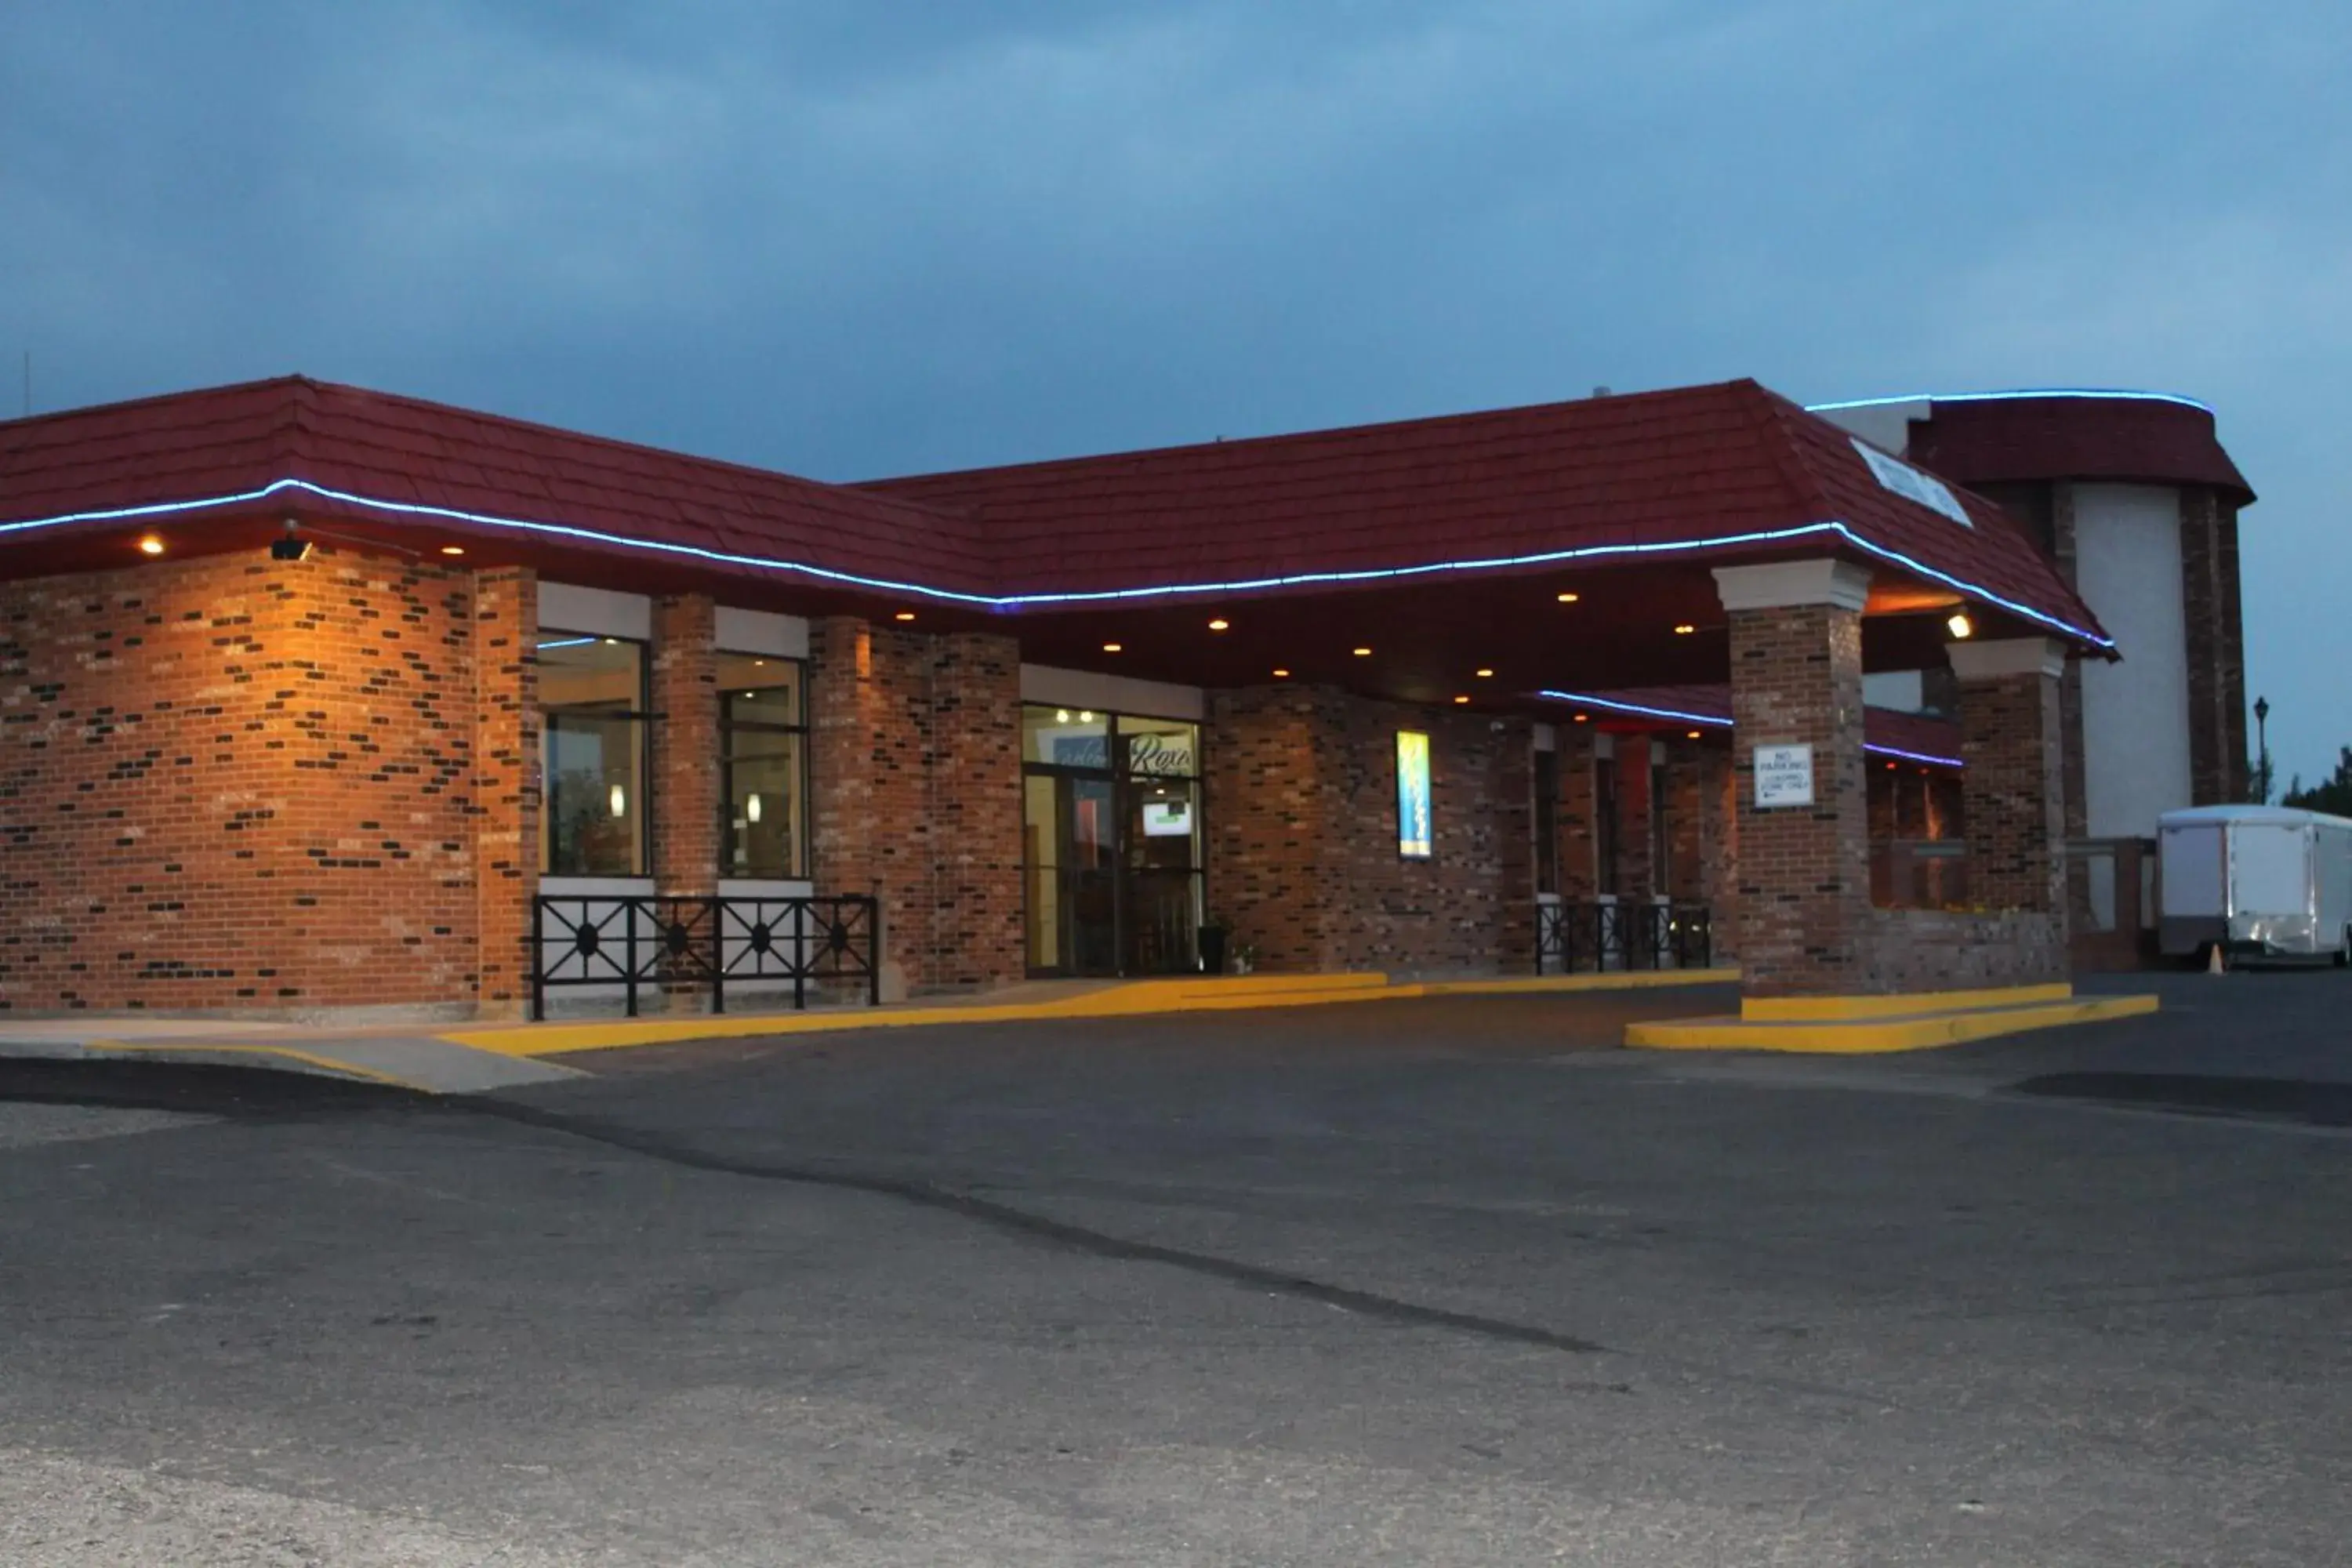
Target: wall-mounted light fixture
x,y
1960,626
150,544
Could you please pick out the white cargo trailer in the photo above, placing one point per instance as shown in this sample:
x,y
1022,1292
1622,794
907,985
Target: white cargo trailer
x,y
2261,881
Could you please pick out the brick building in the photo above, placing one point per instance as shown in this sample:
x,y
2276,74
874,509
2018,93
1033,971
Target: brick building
x,y
311,697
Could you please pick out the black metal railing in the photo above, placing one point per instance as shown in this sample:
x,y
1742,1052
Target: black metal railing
x,y
1595,934
635,940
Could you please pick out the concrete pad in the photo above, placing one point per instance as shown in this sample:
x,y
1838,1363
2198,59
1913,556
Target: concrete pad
x,y
419,1063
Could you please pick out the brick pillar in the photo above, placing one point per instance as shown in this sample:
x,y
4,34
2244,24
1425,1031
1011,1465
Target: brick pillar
x,y
1687,827
1512,757
1718,847
2014,788
1579,851
976,812
504,787
869,743
1636,877
1803,909
686,747
2216,648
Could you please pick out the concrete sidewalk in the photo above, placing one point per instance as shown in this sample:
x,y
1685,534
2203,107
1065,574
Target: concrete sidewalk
x,y
476,1058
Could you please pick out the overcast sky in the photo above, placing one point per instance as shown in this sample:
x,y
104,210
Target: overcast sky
x,y
851,237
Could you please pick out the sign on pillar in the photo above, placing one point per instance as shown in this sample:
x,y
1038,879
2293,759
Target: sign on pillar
x,y
1784,776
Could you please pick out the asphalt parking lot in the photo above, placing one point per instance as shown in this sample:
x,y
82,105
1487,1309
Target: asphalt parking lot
x,y
1445,1281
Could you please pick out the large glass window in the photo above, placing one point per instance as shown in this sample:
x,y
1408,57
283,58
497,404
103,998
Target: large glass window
x,y
764,762
591,698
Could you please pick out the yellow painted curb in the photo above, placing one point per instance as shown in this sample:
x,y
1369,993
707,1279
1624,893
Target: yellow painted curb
x,y
1137,999
560,1039
1880,1035
1548,985
1853,1009
201,1050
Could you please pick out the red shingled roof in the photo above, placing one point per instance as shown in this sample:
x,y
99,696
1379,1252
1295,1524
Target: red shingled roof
x,y
1666,468
2150,439
1678,468
236,439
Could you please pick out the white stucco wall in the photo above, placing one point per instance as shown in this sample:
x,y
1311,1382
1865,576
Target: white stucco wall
x,y
2134,712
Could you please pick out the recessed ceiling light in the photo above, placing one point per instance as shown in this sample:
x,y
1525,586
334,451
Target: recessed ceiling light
x,y
1282,675
1569,598
1111,647
1584,718
1464,698
150,545
1690,735
1892,766
904,616
452,549
1219,625
1685,629
1363,653
1061,716
1485,675
1086,715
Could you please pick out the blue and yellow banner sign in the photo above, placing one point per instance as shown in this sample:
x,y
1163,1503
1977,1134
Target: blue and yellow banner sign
x,y
1412,795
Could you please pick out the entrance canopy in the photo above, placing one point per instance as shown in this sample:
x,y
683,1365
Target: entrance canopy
x,y
1562,546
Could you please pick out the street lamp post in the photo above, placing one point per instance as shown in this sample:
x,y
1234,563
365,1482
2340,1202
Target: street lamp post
x,y
2262,750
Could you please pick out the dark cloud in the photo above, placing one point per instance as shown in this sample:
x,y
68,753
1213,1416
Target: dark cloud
x,y
851,239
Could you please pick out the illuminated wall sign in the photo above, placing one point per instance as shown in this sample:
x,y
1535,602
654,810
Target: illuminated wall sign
x,y
1784,776
1412,795
1912,485
1166,818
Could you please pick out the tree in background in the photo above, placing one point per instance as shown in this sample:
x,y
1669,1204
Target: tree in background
x,y
2333,795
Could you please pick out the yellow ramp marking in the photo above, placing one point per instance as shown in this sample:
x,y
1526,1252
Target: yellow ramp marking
x,y
1139,999
1880,1035
1847,1009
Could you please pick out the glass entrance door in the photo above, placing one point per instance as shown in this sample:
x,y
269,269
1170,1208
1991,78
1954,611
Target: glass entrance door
x,y
1111,830
1072,856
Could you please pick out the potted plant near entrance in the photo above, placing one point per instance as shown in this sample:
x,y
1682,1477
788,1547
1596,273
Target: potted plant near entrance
x,y
1212,933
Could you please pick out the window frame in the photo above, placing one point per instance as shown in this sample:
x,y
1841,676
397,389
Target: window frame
x,y
728,728
639,714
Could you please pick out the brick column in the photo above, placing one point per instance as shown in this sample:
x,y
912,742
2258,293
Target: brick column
x,y
1512,758
1579,851
2013,790
1687,827
1636,877
503,787
1718,847
1802,910
684,747
976,812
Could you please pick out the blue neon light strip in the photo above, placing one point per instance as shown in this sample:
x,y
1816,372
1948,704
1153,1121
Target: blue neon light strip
x,y
2113,393
1647,712
1102,595
567,642
1585,699
1912,756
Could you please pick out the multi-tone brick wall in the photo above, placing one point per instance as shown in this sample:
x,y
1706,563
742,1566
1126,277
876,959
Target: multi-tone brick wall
x,y
916,762
235,784
1302,852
